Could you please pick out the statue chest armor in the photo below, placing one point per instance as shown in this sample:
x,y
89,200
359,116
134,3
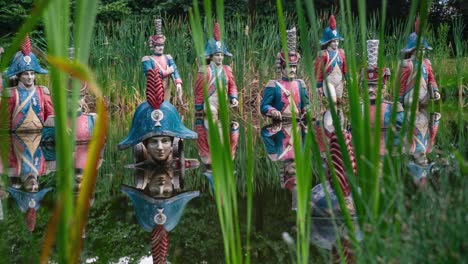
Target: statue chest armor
x,y
160,62
385,115
292,89
28,112
287,151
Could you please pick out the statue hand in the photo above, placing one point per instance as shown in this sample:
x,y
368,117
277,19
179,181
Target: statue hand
x,y
320,92
275,114
170,70
234,125
276,127
234,102
436,95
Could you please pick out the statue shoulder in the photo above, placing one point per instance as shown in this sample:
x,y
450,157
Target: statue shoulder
x,y
301,82
202,69
406,63
428,62
228,68
341,51
45,89
169,57
9,91
145,58
271,84
322,53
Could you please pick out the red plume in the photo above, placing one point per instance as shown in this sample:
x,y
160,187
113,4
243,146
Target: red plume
x,y
26,46
332,22
159,244
154,89
30,219
416,25
216,32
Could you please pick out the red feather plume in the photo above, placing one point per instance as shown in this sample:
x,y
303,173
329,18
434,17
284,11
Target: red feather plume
x,y
26,46
416,25
332,22
216,32
159,244
154,89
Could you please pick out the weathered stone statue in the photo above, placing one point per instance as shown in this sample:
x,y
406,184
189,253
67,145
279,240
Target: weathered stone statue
x,y
283,97
163,63
29,105
157,198
330,65
408,72
214,75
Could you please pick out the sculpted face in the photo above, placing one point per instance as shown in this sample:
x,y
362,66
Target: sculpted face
x,y
27,78
334,44
159,148
31,184
372,90
217,58
158,49
160,185
290,72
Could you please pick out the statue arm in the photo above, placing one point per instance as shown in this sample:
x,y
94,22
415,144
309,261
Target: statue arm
x,y
231,83
343,64
433,129
175,75
430,76
146,64
405,70
48,107
268,98
199,91
319,64
304,96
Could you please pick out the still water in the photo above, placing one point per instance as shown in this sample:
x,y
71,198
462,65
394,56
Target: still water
x,y
119,227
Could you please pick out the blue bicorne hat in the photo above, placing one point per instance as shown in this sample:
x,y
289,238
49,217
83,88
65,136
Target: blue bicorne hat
x,y
215,45
24,60
330,33
413,39
155,117
151,212
418,171
26,200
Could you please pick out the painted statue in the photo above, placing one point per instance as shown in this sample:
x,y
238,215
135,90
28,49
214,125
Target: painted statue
x,y
283,97
328,141
26,163
424,134
29,105
330,65
408,72
85,120
278,141
372,76
157,199
214,75
163,63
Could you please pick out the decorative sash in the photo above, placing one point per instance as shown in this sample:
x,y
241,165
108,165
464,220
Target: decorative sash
x,y
288,95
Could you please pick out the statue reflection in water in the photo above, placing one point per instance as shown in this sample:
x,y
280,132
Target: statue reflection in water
x,y
157,135
26,164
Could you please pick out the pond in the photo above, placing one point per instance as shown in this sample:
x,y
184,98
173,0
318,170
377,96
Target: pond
x,y
115,231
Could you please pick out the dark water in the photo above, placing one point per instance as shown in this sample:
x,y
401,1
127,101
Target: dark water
x,y
113,233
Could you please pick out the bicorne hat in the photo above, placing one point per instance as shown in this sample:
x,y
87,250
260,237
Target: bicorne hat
x,y
155,117
24,60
